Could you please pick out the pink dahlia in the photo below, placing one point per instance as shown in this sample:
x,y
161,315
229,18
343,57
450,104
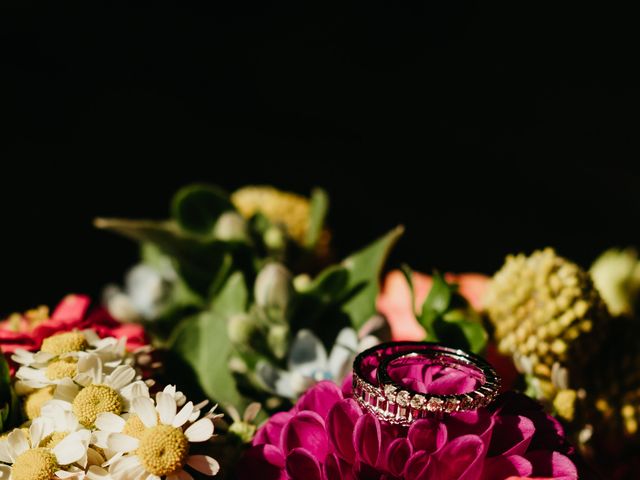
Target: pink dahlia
x,y
327,436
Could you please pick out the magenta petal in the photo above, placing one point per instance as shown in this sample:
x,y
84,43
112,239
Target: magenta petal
x,y
264,462
362,471
302,465
341,422
398,454
427,434
347,386
479,422
512,435
452,384
320,398
505,467
336,468
460,459
272,430
306,430
552,464
417,468
367,439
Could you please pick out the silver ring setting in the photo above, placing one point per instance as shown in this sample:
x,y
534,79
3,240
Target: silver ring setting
x,y
377,392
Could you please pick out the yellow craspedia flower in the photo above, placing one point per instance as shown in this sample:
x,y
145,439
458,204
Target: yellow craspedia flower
x,y
546,313
288,209
62,343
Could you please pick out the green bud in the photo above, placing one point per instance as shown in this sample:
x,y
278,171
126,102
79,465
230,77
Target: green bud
x,y
273,291
241,328
243,431
275,238
278,340
616,274
231,227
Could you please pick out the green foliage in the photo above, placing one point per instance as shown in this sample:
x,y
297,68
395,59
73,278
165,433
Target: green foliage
x,y
196,208
447,317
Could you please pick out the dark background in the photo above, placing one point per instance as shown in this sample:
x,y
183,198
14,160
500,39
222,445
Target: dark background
x,y
485,129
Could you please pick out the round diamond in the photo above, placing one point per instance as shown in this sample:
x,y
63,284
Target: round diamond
x,y
434,404
390,392
418,402
403,398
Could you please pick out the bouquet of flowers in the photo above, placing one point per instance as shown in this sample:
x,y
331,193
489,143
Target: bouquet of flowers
x,y
237,305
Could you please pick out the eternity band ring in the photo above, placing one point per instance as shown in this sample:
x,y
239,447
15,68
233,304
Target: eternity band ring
x,y
396,402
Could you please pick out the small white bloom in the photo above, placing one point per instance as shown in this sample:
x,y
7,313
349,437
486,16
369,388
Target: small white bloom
x,y
309,363
164,427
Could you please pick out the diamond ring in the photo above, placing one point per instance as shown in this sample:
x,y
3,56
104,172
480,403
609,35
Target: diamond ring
x,y
383,381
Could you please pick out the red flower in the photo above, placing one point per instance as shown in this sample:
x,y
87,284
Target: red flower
x,y
72,313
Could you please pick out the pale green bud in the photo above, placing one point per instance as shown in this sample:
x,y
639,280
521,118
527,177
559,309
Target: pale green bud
x,y
275,238
273,290
241,329
278,340
231,227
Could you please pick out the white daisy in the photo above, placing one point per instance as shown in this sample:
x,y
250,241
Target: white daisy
x,y
161,449
29,460
95,392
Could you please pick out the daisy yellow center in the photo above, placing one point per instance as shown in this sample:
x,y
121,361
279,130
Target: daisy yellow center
x,y
134,427
63,368
163,450
53,439
94,400
64,343
35,464
33,402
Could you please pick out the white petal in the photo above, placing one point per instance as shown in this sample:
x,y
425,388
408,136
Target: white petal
x,y
152,477
251,412
166,407
204,464
126,468
71,449
66,390
343,353
5,472
40,428
274,379
183,415
200,431
121,377
307,353
122,443
97,473
110,422
17,442
143,407
5,455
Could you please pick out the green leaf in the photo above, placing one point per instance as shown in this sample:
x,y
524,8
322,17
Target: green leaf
x,y
439,297
459,333
408,275
233,297
200,262
203,343
196,208
331,284
318,212
364,269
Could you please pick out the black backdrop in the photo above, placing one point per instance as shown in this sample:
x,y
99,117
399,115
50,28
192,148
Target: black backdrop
x,y
399,109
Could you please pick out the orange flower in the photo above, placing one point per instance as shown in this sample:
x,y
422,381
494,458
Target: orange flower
x,y
395,299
